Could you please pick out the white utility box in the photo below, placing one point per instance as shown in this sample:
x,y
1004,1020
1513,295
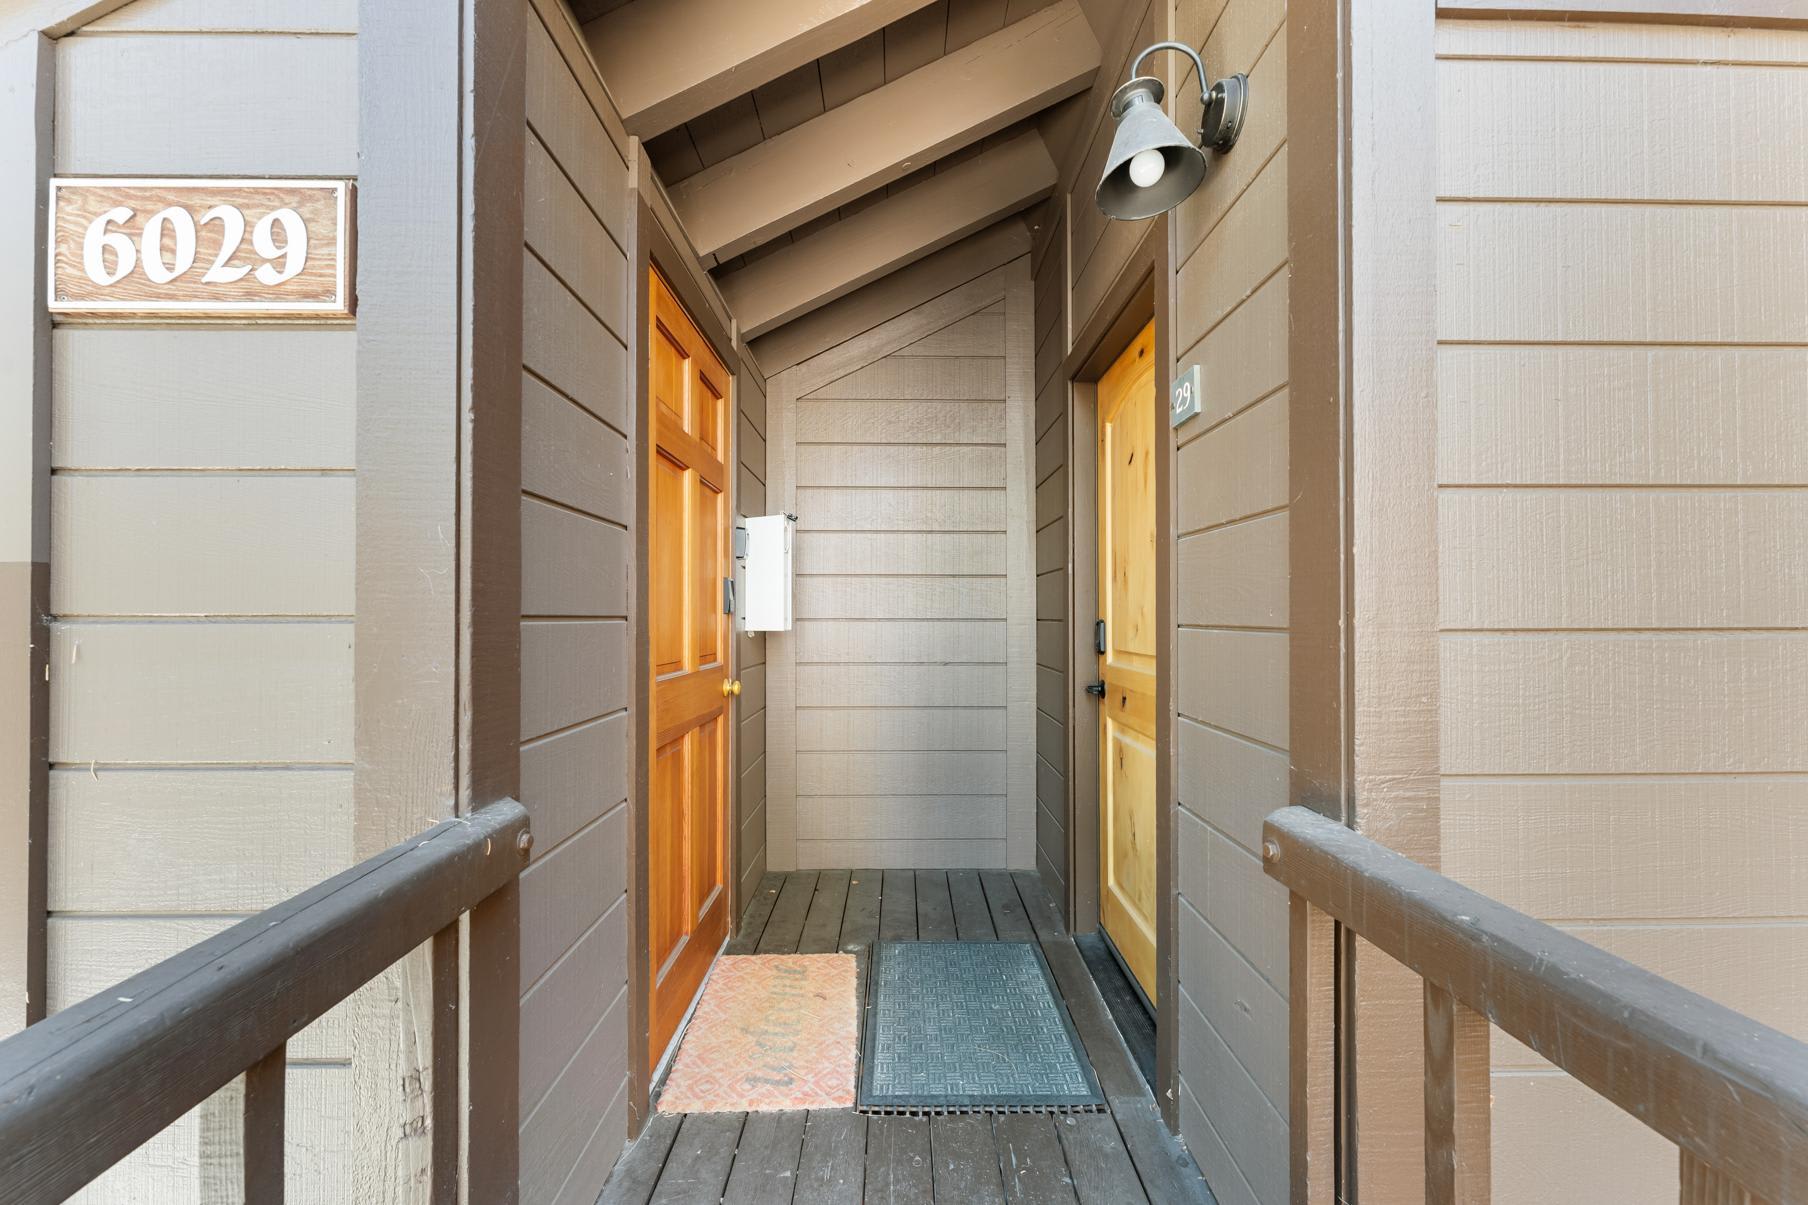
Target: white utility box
x,y
766,572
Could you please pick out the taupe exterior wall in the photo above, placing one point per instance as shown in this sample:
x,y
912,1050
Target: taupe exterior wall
x,y
202,561
1622,456
1230,248
750,745
1054,552
907,681
1229,251
577,512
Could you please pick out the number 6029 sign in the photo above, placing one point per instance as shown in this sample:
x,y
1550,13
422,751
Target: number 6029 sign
x,y
199,248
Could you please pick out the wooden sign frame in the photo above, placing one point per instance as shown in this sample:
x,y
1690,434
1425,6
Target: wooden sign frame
x,y
341,304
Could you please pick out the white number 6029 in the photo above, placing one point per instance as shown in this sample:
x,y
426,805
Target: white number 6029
x,y
292,251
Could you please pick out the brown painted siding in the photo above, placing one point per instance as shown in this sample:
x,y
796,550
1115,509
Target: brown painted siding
x,y
890,776
750,797
905,696
1621,550
1230,317
1054,553
576,672
202,563
1229,245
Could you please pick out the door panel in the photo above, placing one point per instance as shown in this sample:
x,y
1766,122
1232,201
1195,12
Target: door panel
x,y
1126,552
687,912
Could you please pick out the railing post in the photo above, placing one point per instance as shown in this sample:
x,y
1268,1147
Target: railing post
x,y
1312,1077
1457,1141
1704,1185
266,1089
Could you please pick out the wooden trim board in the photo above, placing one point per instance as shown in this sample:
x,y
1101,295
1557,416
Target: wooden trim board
x,y
882,135
896,294
27,68
663,74
889,234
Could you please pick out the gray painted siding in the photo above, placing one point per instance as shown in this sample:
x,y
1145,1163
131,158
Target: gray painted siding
x,y
901,588
577,483
202,561
1054,553
750,791
1231,567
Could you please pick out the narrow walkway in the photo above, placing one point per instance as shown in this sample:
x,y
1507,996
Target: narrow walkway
x,y
1124,1157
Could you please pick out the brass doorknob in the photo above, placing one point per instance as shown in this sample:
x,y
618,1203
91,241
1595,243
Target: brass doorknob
x,y
731,686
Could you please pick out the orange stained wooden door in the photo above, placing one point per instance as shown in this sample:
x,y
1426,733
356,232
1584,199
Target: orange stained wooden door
x,y
1126,511
688,643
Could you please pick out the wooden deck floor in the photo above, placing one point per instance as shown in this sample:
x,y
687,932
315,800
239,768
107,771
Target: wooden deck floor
x,y
1124,1157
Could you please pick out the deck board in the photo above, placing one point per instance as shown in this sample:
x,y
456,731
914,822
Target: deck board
x,y
786,927
1103,1173
1030,1155
637,1173
1008,916
832,1168
837,1157
860,924
822,927
898,1169
935,911
898,906
972,917
696,1171
966,1160
759,910
765,1162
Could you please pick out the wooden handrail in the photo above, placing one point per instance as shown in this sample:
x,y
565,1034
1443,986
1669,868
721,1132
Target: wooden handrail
x,y
1730,1092
84,1088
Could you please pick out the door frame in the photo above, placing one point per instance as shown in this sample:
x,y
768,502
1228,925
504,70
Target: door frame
x,y
653,245
1142,293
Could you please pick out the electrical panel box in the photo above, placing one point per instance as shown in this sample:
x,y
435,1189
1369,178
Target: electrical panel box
x,y
766,574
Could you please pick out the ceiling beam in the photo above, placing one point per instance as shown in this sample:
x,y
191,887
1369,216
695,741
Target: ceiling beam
x,y
897,231
787,180
667,61
897,293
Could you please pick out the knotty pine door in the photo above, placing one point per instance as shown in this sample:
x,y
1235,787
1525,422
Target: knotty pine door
x,y
1126,577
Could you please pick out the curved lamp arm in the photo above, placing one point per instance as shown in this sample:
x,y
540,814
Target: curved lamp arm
x,y
1226,99
1205,82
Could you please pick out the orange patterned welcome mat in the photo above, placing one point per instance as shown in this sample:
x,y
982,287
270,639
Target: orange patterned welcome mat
x,y
772,1032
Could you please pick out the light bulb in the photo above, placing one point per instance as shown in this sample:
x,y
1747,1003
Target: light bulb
x,y
1146,167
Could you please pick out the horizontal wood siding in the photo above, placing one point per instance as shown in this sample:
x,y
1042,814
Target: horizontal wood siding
x,y
1621,549
1231,570
201,567
750,787
907,717
577,482
1054,577
872,783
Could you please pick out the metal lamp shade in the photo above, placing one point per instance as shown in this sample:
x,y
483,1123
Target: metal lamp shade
x,y
1141,126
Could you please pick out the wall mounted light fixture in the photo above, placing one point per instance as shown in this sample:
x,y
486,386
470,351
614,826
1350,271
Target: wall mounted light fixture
x,y
1153,166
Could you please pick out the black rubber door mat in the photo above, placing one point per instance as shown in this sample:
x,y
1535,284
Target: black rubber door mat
x,y
970,1027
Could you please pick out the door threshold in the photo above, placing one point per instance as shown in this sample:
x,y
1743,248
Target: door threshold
x,y
1129,1008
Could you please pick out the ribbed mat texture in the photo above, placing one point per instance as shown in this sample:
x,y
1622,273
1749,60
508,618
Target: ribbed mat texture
x,y
970,1026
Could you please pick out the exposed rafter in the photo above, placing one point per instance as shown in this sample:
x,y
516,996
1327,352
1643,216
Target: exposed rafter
x,y
897,293
887,133
667,61
899,230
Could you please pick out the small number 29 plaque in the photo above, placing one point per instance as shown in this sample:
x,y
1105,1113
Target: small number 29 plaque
x,y
201,248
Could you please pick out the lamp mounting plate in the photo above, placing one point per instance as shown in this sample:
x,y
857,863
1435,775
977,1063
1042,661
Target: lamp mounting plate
x,y
1225,106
